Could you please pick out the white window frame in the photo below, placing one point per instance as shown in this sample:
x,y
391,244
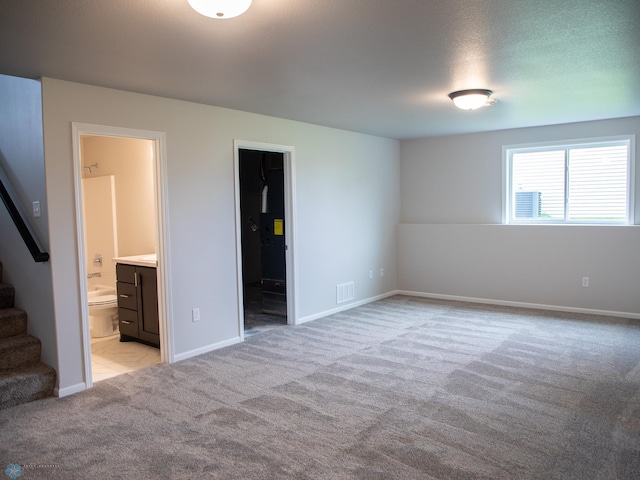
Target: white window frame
x,y
507,155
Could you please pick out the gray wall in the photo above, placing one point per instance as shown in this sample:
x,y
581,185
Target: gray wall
x,y
451,243
347,207
22,160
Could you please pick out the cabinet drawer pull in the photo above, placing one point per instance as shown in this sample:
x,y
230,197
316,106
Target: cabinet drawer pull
x,y
124,296
126,322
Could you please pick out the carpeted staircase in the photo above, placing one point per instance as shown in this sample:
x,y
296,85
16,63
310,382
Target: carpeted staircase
x,y
23,377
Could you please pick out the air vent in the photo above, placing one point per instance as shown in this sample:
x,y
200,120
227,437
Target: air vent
x,y
345,292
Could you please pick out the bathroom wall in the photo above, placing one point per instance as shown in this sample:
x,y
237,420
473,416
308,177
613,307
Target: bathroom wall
x,y
100,229
130,161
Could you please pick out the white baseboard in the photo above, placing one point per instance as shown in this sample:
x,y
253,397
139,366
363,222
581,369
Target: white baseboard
x,y
66,391
347,306
538,306
206,349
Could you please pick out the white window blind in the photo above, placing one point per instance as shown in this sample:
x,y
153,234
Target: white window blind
x,y
576,183
540,175
598,184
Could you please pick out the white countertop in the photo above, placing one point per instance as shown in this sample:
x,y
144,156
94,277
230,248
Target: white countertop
x,y
149,260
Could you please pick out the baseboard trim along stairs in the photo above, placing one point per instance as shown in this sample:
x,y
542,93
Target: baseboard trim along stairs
x,y
23,377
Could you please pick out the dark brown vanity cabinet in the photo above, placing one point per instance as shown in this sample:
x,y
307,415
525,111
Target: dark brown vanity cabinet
x,y
138,304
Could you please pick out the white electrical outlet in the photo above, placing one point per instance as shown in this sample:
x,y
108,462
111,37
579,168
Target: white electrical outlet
x,y
585,281
370,274
195,315
382,272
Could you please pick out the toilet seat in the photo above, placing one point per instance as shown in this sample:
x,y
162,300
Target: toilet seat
x,y
103,300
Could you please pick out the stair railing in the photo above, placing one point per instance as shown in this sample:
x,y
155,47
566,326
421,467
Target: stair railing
x,y
25,233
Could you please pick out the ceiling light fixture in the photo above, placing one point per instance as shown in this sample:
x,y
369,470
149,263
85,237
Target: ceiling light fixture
x,y
470,99
220,8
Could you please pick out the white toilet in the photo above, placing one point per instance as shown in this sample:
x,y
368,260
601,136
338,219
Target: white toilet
x,y
103,311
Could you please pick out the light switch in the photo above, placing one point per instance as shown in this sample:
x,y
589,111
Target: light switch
x,y
36,208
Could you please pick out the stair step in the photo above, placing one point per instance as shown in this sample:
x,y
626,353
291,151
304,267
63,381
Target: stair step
x,y
7,294
13,321
19,351
26,384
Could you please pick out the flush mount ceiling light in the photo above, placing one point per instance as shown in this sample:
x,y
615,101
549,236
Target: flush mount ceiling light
x,y
220,8
470,99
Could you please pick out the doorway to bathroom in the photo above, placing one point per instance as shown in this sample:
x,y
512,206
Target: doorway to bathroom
x,y
265,236
118,192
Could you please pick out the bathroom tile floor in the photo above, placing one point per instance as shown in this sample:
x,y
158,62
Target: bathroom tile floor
x,y
110,357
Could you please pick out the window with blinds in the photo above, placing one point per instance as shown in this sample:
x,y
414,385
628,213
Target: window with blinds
x,y
582,183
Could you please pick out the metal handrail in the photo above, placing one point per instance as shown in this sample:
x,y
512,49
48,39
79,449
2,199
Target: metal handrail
x,y
25,233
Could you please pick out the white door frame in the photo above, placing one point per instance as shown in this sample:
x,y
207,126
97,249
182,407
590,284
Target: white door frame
x,y
162,237
289,231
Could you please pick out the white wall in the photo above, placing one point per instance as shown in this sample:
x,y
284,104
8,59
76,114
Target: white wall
x,y
450,241
100,231
347,209
22,159
130,161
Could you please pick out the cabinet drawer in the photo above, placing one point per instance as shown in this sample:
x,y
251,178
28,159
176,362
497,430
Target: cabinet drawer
x,y
127,297
125,273
128,321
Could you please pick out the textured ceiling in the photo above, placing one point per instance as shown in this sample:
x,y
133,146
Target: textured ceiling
x,y
382,67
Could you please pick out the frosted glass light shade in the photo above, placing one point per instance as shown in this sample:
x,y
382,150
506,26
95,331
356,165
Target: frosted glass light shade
x,y
220,8
470,99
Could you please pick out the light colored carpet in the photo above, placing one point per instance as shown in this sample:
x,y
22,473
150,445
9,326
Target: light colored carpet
x,y
402,388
